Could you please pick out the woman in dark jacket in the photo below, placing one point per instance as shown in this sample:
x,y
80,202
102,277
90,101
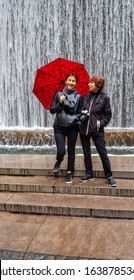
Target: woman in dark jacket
x,y
97,112
67,106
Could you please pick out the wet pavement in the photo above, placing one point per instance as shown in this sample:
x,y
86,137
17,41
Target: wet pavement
x,y
25,236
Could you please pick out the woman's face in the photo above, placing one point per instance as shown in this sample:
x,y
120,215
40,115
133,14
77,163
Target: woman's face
x,y
70,82
93,86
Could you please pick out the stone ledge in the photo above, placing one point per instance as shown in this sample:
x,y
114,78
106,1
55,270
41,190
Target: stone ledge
x,y
27,164
45,184
44,172
68,205
45,136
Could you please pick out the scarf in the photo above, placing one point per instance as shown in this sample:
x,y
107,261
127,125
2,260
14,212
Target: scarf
x,y
69,91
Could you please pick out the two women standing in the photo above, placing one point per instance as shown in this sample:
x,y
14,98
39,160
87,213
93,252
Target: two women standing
x,y
89,118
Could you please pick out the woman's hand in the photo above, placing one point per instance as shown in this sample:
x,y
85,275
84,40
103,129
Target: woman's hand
x,y
62,98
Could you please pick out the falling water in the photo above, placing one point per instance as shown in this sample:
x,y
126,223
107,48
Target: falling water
x,y
97,33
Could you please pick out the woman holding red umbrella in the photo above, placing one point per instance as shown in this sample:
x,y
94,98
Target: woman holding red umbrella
x,y
67,105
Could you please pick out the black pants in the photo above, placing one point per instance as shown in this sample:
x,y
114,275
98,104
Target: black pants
x,y
100,145
61,134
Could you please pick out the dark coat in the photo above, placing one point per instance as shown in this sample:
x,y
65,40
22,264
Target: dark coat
x,y
67,112
100,110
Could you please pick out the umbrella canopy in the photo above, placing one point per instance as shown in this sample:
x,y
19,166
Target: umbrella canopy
x,y
51,78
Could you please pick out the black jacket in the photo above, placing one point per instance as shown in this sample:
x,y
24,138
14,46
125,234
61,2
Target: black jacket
x,y
67,112
99,110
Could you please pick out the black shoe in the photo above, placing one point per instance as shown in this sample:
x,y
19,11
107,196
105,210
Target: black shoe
x,y
87,178
69,178
111,181
56,167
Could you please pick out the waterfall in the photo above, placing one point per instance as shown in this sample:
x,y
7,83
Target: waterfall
x,y
97,33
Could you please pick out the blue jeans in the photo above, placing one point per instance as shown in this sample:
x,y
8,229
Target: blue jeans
x,y
61,135
100,145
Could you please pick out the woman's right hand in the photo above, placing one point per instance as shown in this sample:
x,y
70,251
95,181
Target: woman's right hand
x,y
62,98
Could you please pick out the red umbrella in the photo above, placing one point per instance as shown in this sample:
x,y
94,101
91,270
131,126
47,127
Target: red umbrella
x,y
51,78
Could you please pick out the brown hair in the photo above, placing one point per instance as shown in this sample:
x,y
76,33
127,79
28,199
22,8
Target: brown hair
x,y
99,81
72,74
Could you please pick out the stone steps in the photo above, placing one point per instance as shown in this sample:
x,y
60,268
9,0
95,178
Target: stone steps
x,y
68,204
40,165
53,185
27,185
52,196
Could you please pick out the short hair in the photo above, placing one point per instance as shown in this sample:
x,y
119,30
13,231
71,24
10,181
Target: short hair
x,y
98,80
72,74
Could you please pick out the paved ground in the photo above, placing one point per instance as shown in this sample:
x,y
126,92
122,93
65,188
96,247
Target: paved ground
x,y
25,236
